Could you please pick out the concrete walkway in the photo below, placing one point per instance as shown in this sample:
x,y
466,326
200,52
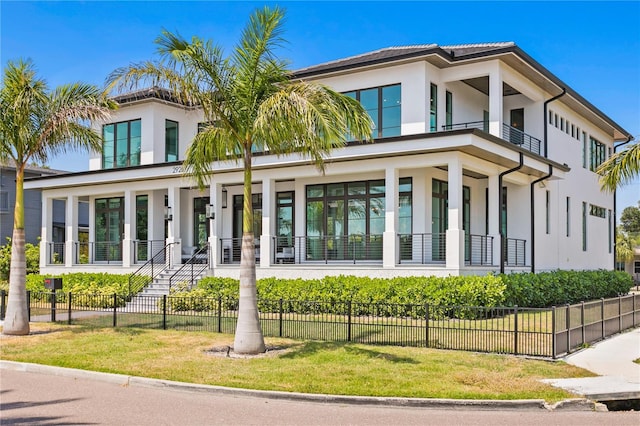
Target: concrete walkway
x,y
613,360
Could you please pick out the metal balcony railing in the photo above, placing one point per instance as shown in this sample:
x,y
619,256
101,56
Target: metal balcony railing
x,y
422,248
478,250
510,134
515,251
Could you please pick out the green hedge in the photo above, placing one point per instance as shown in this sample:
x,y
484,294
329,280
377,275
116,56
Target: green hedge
x,y
546,289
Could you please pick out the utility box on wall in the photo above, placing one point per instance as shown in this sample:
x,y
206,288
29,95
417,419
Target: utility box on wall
x,y
53,283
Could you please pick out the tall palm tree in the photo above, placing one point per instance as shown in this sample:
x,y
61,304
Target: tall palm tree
x,y
250,104
620,168
35,124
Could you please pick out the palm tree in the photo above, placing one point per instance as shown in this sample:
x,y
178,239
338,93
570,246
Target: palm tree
x,y
35,124
250,104
620,168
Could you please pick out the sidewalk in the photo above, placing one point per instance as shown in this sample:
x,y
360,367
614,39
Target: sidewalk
x,y
612,359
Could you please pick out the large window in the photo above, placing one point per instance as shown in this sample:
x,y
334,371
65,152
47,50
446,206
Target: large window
x,y
121,144
345,220
383,104
597,154
109,228
433,108
171,140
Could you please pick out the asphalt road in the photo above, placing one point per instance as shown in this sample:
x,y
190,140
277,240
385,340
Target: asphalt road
x,y
43,399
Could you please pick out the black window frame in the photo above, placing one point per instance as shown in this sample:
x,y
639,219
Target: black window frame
x,y
378,132
166,141
129,163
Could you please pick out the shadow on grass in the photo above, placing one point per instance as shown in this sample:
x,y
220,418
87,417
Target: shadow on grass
x,y
309,349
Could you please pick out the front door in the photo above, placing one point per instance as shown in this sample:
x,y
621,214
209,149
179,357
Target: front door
x,y
439,219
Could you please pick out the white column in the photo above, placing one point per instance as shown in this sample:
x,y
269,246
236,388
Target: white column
x,y
495,101
268,225
173,236
455,233
129,227
215,195
389,248
493,211
71,232
92,229
46,231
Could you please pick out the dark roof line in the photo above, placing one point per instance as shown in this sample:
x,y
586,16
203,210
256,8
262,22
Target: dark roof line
x,y
453,53
154,92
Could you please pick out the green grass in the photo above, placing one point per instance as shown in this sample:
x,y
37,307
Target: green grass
x,y
355,369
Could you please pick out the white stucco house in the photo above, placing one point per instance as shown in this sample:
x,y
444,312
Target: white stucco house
x,y
483,161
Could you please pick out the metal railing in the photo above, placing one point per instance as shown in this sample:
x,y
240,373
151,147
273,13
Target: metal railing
x,y
478,249
144,250
520,138
191,270
98,252
515,252
509,133
327,249
151,269
231,249
55,253
422,248
548,332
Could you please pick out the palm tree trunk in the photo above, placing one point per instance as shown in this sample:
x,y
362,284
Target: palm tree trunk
x,y
16,320
248,339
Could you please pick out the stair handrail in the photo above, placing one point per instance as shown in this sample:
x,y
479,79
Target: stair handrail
x,y
188,272
156,265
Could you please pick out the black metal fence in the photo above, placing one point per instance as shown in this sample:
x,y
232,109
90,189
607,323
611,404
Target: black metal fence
x,y
510,330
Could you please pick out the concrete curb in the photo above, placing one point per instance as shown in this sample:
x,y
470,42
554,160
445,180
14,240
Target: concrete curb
x,y
475,404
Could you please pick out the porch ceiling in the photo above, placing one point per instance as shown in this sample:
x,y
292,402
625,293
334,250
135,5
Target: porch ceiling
x,y
482,85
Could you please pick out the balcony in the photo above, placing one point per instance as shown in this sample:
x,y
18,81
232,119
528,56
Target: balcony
x,y
509,134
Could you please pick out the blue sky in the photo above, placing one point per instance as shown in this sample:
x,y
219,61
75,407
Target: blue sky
x,y
594,47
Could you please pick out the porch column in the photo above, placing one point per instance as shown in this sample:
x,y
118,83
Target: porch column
x,y
215,195
129,227
455,233
493,219
495,101
389,250
268,198
46,230
71,231
173,201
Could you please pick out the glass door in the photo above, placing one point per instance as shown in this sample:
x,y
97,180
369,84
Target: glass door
x,y
201,228
109,229
439,219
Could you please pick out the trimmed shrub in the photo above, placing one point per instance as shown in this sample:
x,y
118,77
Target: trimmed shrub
x,y
546,289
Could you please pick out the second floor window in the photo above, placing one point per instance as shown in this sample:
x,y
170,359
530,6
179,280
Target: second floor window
x,y
171,140
433,108
122,142
597,154
384,106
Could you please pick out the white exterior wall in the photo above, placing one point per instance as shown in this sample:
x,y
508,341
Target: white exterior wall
x,y
367,162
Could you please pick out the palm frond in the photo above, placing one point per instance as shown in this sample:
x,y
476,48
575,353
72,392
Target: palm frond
x,y
620,168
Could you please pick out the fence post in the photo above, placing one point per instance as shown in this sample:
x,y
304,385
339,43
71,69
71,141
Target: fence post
x,y
349,321
164,311
3,305
280,319
568,320
219,314
515,330
69,306
582,322
602,317
29,305
553,333
619,314
115,305
53,305
426,317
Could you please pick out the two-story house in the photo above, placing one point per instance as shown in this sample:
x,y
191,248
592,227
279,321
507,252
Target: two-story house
x,y
482,160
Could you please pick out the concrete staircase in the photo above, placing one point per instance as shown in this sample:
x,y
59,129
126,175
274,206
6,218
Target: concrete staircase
x,y
157,288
